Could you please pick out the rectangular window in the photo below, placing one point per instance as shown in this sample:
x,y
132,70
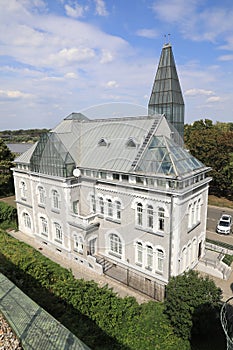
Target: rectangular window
x,y
125,178
139,180
139,252
75,207
116,176
149,258
103,175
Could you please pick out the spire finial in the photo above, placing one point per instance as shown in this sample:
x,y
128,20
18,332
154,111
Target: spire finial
x,y
167,42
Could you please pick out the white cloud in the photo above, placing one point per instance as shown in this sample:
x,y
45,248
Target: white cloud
x,y
71,75
226,58
100,8
213,99
13,94
77,11
194,21
106,56
173,10
72,55
112,84
196,92
147,33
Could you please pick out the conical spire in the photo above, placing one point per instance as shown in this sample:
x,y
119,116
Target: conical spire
x,y
166,97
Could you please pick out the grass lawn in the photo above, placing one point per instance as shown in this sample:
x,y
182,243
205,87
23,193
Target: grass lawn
x,y
220,202
9,200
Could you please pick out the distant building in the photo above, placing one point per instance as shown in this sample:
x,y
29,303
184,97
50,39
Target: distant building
x,y
118,196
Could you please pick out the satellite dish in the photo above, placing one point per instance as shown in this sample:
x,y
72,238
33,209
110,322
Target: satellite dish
x,y
76,172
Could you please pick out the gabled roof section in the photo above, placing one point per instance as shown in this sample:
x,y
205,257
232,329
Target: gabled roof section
x,y
51,157
76,116
164,157
25,157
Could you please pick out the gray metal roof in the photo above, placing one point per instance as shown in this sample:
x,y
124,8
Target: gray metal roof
x,y
131,144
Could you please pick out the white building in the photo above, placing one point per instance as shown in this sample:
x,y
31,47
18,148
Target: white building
x,y
119,196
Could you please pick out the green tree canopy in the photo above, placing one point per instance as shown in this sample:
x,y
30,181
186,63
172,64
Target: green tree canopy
x,y
6,178
213,145
191,303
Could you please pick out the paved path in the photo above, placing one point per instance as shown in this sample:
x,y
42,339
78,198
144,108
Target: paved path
x,y
82,272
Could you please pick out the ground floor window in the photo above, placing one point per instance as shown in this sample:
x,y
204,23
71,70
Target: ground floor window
x,y
27,220
58,233
78,244
115,243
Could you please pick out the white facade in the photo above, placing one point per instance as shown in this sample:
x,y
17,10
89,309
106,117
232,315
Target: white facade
x,y
137,202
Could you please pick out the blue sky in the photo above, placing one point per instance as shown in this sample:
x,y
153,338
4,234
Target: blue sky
x,y
99,57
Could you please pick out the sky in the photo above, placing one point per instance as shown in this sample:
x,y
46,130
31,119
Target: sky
x,y
99,57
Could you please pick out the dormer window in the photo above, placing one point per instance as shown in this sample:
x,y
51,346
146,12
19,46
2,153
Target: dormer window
x,y
102,142
131,143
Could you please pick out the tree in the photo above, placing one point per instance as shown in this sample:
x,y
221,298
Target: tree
x,y
191,303
6,178
213,145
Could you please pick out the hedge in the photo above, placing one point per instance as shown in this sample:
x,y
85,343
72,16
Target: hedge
x,y
96,315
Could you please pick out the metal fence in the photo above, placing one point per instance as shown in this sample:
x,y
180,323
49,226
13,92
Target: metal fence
x,y
136,281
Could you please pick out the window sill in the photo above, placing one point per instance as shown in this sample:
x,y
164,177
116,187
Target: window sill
x,y
58,241
148,268
138,264
41,205
78,251
146,229
114,254
117,221
55,210
44,234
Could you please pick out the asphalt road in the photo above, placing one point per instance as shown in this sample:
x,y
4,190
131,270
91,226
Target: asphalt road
x,y
213,215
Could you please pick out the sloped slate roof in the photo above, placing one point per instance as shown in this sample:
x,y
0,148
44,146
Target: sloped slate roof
x,y
151,152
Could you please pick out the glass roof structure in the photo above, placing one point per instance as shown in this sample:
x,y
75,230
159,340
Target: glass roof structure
x,y
166,97
51,157
164,157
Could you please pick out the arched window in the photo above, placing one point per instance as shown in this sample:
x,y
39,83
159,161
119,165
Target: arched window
x,y
139,252
118,210
44,226
23,190
161,219
27,220
149,257
150,216
101,205
139,214
55,200
58,233
198,208
190,216
41,198
93,204
160,259
78,244
110,211
115,243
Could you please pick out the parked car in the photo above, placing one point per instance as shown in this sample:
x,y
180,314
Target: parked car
x,y
225,224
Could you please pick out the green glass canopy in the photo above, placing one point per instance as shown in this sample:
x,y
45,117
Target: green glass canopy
x,y
164,157
51,157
